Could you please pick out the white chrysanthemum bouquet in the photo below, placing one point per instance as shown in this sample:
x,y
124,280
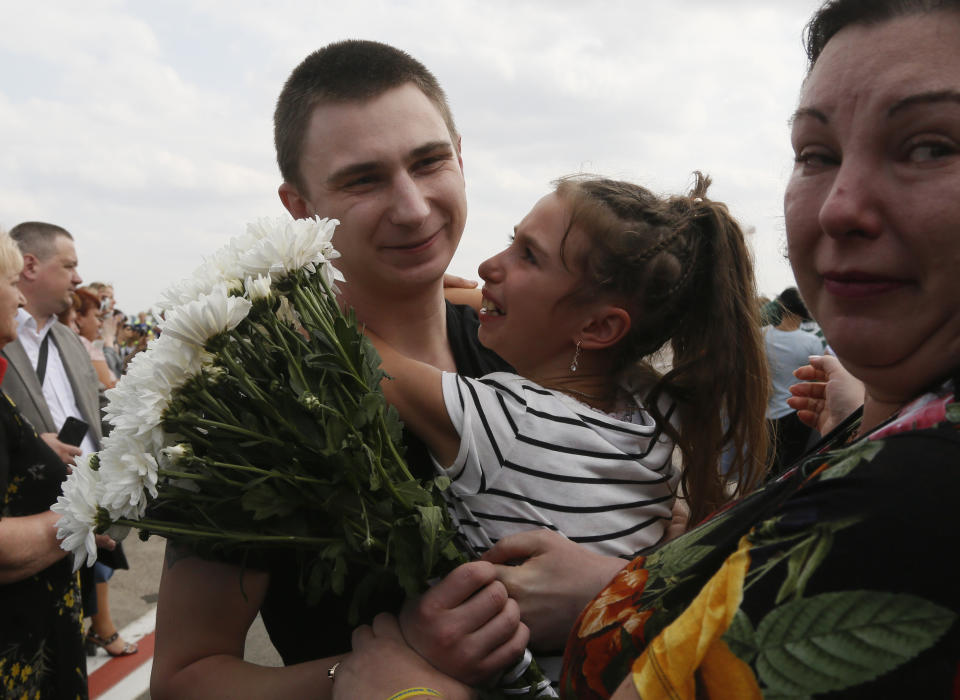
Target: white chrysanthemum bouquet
x,y
255,422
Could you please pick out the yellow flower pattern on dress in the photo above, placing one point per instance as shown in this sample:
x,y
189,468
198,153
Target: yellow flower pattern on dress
x,y
790,592
668,667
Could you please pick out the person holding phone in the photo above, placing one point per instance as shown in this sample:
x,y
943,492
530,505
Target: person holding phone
x,y
41,630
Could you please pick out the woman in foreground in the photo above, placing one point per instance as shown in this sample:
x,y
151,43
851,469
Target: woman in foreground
x,y
833,581
41,629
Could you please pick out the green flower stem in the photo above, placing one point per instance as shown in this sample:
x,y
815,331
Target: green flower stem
x,y
295,360
218,478
378,465
217,407
398,459
172,473
267,473
310,307
233,429
251,387
160,526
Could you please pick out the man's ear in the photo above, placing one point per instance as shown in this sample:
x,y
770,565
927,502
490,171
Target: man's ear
x,y
605,328
30,265
298,207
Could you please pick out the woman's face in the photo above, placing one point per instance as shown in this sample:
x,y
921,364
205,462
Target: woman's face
x,y
88,324
873,205
10,300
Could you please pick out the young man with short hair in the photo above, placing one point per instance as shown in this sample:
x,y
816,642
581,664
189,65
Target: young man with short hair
x,y
364,135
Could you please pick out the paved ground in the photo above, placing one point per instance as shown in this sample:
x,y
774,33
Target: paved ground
x,y
134,592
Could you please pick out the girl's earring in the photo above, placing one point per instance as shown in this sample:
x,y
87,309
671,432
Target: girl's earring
x,y
576,358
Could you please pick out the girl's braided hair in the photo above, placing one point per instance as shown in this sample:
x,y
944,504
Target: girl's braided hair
x,y
681,267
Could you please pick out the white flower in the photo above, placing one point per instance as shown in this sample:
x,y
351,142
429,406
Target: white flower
x,y
203,318
259,287
78,508
201,282
284,245
136,405
127,474
171,455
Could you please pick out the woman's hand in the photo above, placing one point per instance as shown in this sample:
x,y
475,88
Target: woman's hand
x,y
383,664
553,581
466,625
828,393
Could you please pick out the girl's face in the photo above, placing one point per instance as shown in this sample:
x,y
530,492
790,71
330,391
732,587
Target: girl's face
x,y
88,324
873,206
525,318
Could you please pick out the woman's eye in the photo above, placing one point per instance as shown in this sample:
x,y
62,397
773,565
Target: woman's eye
x,y
814,159
929,151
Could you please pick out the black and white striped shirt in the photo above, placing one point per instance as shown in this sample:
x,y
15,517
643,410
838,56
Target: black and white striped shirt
x,y
531,457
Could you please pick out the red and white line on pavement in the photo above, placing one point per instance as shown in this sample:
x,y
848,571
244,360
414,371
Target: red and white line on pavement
x,y
124,677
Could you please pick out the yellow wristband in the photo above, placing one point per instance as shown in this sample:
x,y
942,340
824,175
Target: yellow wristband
x,y
414,692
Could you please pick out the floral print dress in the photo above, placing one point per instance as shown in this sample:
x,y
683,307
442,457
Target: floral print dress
x,y
840,579
41,633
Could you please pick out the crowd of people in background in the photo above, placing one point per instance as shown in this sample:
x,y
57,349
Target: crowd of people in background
x,y
64,346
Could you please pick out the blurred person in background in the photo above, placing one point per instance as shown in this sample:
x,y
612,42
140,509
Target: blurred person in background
x,y
89,322
788,348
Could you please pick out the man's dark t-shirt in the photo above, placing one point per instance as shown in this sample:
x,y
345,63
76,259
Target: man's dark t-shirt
x,y
303,633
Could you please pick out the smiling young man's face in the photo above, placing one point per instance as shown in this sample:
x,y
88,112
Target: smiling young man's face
x,y
389,170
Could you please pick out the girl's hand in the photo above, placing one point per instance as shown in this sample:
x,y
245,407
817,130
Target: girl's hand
x,y
383,664
455,282
553,580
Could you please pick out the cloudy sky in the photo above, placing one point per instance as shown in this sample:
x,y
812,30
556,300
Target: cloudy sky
x,y
145,128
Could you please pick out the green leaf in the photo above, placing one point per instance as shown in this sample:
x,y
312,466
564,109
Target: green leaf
x,y
367,409
847,459
834,641
294,378
394,427
431,525
675,558
323,361
741,638
804,560
335,433
264,502
413,492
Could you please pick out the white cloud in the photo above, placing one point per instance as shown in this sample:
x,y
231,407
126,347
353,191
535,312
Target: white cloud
x,y
145,128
